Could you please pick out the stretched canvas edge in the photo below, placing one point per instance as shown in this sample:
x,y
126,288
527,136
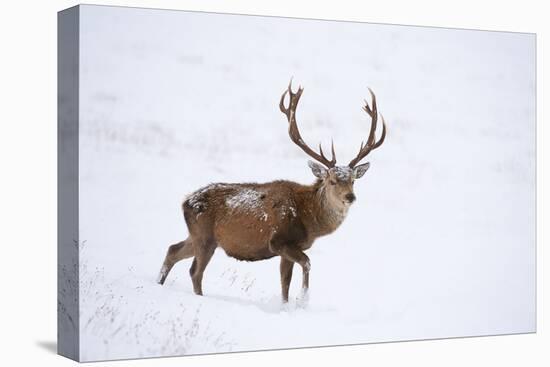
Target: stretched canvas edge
x,y
68,24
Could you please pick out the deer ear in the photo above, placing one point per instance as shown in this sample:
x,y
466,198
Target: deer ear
x,y
318,170
360,170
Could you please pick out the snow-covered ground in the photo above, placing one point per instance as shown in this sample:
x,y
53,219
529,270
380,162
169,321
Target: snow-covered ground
x,y
440,243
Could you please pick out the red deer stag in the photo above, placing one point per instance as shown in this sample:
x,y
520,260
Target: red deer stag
x,y
252,221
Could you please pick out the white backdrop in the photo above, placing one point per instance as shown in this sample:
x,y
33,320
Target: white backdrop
x,y
440,242
40,322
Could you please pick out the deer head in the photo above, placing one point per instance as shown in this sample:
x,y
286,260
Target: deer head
x,y
336,181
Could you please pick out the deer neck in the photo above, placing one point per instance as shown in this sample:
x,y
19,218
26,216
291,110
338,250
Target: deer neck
x,y
326,217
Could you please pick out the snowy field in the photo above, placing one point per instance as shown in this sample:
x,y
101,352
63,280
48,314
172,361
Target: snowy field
x,y
440,243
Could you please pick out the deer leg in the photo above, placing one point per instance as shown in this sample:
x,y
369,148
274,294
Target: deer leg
x,y
298,256
175,253
203,254
286,276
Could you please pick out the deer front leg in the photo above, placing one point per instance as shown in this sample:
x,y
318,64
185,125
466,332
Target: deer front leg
x,y
286,244
294,255
286,276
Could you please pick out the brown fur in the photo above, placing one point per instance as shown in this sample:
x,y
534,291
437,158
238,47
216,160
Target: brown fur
x,y
280,218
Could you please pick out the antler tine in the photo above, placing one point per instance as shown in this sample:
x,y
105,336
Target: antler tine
x,y
294,98
374,118
321,151
383,136
333,159
366,108
371,143
293,131
282,106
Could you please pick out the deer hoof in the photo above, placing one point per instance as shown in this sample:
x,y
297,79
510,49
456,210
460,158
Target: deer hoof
x,y
162,275
303,300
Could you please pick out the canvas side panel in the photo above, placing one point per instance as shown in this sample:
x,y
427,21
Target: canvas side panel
x,y
67,171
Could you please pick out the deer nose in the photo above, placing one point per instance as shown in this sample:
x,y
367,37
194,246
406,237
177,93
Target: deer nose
x,y
350,197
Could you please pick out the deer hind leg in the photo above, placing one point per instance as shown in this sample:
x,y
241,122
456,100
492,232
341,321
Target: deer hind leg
x,y
203,254
175,253
286,276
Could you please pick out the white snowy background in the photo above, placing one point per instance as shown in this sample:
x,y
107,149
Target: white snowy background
x,y
440,243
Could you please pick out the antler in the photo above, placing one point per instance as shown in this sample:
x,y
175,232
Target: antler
x,y
293,131
371,141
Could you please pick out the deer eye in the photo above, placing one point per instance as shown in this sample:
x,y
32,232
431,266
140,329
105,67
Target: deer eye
x,y
332,182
